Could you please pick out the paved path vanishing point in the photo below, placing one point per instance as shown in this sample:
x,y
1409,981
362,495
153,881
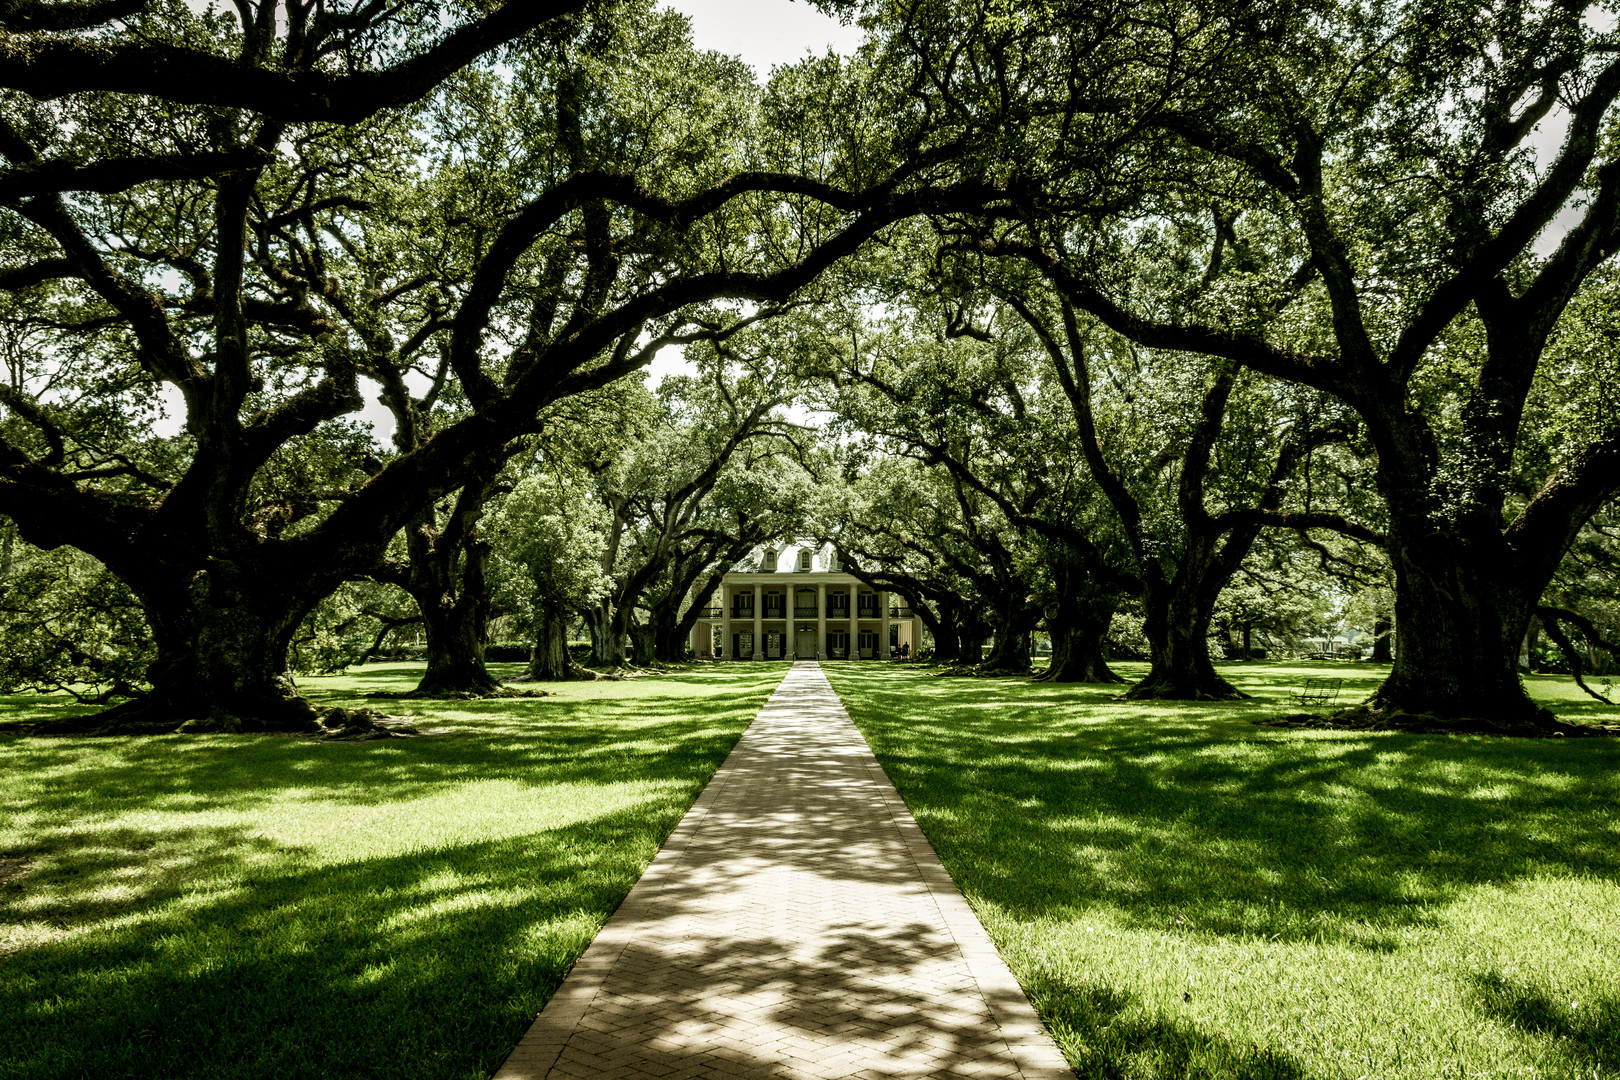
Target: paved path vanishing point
x,y
797,923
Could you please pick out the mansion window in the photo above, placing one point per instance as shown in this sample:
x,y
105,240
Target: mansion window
x,y
804,561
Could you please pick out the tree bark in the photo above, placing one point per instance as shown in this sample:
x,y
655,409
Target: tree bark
x,y
670,640
549,662
970,635
643,648
1463,615
1009,649
1176,624
1382,629
947,642
607,639
454,605
1009,652
222,641
1078,629
455,648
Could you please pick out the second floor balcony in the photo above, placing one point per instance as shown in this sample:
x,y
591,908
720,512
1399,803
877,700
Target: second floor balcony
x,y
805,611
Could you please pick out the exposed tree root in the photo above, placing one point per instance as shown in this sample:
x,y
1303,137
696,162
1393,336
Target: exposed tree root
x,y
573,673
295,719
458,685
363,725
1094,673
980,671
1539,724
1159,688
458,695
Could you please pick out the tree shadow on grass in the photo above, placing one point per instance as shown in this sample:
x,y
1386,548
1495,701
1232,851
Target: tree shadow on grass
x,y
1107,1036
1585,1034
1188,820
654,738
427,964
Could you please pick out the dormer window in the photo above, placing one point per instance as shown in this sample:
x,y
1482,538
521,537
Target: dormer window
x,y
804,561
833,564
767,564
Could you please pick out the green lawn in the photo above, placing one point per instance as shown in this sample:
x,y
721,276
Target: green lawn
x,y
1186,894
234,906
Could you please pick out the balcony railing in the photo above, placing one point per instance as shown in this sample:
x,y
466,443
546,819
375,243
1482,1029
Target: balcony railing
x,y
742,613
867,613
899,613
802,612
838,613
710,612
774,612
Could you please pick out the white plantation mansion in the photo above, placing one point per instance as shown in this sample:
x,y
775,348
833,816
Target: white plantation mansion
x,y
793,602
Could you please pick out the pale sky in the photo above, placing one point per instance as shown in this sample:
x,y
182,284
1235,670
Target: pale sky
x,y
766,32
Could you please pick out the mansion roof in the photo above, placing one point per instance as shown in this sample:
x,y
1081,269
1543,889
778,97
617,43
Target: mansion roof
x,y
789,558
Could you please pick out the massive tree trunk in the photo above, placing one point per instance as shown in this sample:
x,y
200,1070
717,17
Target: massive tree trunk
x,y
607,636
1078,621
667,634
1466,586
549,662
643,649
1176,624
1463,611
222,645
1009,650
670,640
456,636
446,578
947,643
1382,629
971,634
1078,628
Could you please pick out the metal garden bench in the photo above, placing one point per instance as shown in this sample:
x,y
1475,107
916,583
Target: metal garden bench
x,y
1318,692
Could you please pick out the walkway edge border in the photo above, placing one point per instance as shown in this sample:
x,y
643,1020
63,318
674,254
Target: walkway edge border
x,y
537,1051
1033,1048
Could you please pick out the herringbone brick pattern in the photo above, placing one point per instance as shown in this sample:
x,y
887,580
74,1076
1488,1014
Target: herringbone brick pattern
x,y
797,924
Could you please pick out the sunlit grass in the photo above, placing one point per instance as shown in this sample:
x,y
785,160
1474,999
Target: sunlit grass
x,y
1184,893
237,906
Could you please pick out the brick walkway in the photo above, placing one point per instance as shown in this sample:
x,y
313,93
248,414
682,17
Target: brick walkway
x,y
796,924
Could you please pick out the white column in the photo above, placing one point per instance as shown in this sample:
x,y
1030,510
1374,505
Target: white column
x,y
821,621
759,622
696,636
725,622
883,635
